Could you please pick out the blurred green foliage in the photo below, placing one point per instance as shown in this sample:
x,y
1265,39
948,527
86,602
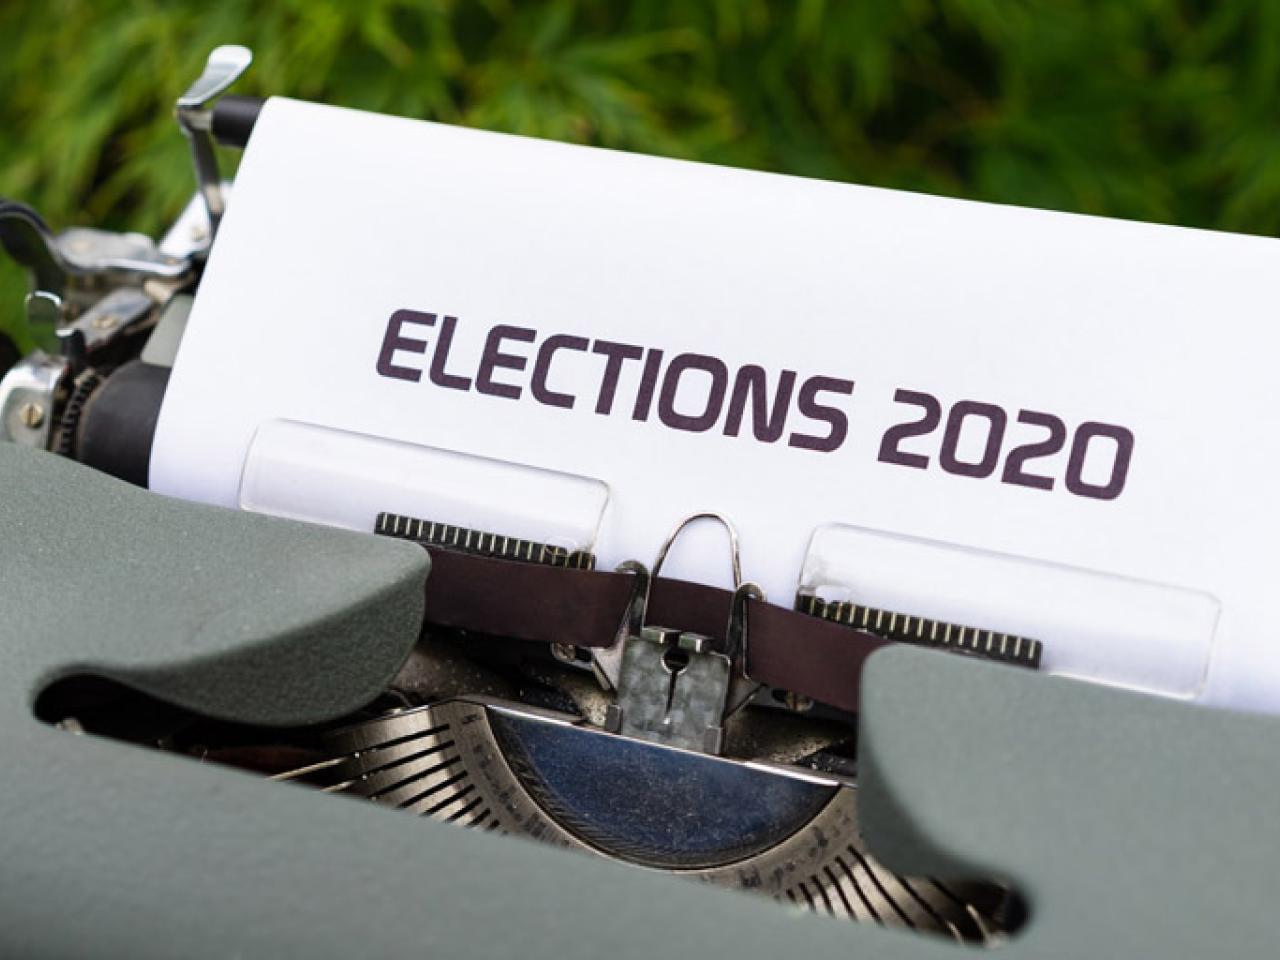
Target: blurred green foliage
x,y
1160,110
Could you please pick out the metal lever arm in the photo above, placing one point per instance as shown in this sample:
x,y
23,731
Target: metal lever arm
x,y
225,65
29,241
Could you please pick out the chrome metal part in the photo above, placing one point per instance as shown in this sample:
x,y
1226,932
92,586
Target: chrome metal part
x,y
117,312
88,252
84,250
223,68
735,556
27,396
607,661
742,688
82,259
777,831
611,662
673,690
189,236
43,310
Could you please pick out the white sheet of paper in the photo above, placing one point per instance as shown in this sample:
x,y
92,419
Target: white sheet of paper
x,y
1034,323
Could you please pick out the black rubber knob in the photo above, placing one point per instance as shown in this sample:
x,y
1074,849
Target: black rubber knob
x,y
119,422
233,119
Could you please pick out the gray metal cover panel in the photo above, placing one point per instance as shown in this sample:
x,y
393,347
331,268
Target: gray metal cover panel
x,y
1135,827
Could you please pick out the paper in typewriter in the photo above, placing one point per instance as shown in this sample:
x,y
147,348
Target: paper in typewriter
x,y
1018,419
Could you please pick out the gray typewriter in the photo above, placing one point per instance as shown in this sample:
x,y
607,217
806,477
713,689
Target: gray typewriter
x,y
483,682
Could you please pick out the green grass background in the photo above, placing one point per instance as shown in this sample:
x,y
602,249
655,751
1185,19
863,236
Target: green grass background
x,y
1161,110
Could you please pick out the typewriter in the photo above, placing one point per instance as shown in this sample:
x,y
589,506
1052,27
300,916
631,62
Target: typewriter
x,y
345,486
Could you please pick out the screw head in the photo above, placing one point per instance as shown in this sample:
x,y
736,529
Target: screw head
x,y
31,414
564,652
798,702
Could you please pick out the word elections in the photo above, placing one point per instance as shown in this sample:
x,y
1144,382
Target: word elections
x,y
517,362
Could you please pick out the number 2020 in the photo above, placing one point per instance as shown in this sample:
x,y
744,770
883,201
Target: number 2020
x,y
1016,463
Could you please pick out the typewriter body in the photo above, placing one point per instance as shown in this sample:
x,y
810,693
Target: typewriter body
x,y
861,740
